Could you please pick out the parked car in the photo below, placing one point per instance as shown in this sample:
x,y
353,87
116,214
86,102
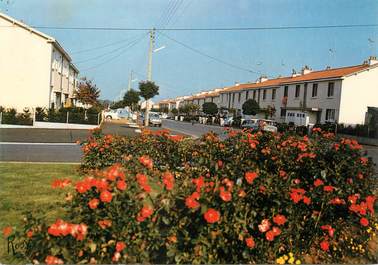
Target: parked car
x,y
268,125
252,124
228,121
117,114
153,119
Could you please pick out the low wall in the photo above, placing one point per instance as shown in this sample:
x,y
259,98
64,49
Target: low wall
x,y
361,140
56,125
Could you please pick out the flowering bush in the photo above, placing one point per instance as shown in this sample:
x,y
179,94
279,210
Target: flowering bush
x,y
252,198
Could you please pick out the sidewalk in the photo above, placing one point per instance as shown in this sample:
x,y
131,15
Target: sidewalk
x,y
34,135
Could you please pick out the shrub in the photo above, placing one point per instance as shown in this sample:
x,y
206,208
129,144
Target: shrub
x,y
250,107
252,198
210,108
10,116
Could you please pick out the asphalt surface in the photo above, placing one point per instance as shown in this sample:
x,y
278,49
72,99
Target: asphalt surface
x,y
196,130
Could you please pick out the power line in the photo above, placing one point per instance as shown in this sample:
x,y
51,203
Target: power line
x,y
110,52
116,56
100,47
209,29
210,56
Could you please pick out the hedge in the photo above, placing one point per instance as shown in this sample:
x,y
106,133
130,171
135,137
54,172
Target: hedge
x,y
252,198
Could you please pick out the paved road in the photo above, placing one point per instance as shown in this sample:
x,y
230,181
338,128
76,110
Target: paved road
x,y
40,152
196,130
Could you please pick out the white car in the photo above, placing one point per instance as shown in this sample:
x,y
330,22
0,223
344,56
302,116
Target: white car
x,y
117,114
268,125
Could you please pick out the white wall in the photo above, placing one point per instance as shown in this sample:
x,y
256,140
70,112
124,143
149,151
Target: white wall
x,y
358,92
25,61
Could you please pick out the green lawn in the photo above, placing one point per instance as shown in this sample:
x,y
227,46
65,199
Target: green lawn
x,y
28,187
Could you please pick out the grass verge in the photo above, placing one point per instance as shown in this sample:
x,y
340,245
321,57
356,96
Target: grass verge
x,y
28,187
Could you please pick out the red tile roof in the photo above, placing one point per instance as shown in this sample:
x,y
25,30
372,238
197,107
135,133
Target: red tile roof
x,y
326,74
315,75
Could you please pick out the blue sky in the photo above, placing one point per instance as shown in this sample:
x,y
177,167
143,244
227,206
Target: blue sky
x,y
179,71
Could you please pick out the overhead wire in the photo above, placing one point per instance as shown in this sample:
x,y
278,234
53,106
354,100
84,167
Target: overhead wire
x,y
107,53
208,29
118,55
101,47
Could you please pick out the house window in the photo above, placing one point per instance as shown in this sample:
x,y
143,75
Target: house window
x,y
264,94
331,87
330,114
233,98
239,97
254,94
246,94
283,112
286,91
297,90
273,94
314,90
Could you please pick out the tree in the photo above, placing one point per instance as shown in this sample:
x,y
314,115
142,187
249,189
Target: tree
x,y
147,90
174,111
131,99
250,107
87,92
210,108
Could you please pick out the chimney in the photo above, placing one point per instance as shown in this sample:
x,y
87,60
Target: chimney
x,y
372,60
237,83
263,78
306,70
294,73
328,67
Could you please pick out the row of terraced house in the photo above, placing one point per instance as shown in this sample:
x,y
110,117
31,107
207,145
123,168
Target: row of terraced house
x,y
35,70
331,95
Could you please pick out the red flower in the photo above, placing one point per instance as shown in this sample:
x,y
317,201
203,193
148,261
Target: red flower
x,y
212,216
329,228
53,260
225,196
199,182
82,186
93,203
306,200
120,246
324,245
121,185
264,226
318,182
7,231
101,184
270,235
337,201
279,219
250,176
191,202
144,213
168,180
220,163
29,234
146,161
276,231
283,174
364,221
370,203
105,223
106,196
250,242
60,183
116,257
328,188
296,197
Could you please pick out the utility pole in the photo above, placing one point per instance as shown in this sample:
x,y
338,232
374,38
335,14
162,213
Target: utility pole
x,y
149,70
130,80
